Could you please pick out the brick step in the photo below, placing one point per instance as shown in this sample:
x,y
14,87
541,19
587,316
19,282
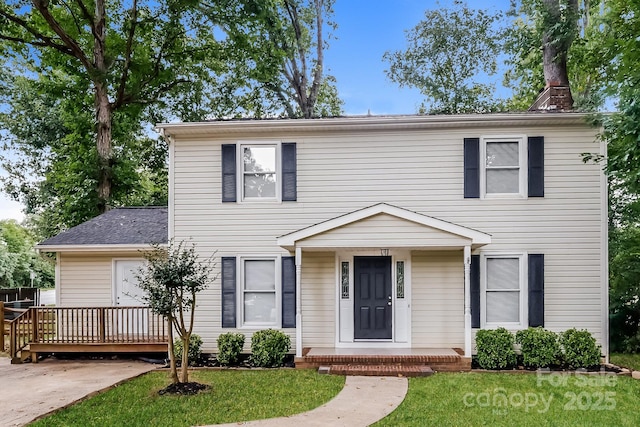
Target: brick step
x,y
381,359
378,370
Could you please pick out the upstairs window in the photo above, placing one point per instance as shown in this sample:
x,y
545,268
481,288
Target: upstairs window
x,y
504,167
259,172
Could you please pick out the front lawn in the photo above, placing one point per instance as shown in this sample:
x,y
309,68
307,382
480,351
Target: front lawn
x,y
630,361
557,399
235,395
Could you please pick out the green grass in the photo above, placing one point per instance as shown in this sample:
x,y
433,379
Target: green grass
x,y
474,399
631,361
235,395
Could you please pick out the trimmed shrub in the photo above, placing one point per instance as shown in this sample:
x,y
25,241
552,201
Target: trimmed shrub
x,y
495,349
195,342
269,347
580,349
229,348
540,348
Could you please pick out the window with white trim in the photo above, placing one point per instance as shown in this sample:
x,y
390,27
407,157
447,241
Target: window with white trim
x,y
260,292
504,166
503,290
259,166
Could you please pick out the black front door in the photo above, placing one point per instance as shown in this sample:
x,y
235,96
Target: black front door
x,y
372,276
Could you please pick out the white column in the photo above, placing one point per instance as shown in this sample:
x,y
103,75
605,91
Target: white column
x,y
467,301
298,303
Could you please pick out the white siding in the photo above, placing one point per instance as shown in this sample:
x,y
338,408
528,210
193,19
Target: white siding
x,y
384,230
419,170
438,299
87,279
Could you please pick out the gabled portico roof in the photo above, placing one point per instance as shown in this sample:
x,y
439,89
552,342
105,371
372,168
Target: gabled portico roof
x,y
348,231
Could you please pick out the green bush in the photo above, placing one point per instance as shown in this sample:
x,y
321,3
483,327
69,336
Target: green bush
x,y
229,348
269,347
495,349
195,342
580,349
540,348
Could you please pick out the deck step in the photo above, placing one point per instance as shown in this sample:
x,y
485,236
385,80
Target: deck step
x,y
378,370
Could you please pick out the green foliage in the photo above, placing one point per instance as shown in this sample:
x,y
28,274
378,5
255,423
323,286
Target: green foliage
x,y
580,349
450,54
195,351
229,348
540,348
171,279
495,349
275,66
269,347
581,35
18,259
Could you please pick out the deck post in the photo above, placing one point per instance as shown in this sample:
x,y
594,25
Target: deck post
x,y
467,301
298,302
101,325
2,326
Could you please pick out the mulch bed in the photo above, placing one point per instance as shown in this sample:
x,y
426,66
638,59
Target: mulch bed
x,y
184,389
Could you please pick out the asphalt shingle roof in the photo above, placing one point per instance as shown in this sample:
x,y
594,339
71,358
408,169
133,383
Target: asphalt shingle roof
x,y
120,226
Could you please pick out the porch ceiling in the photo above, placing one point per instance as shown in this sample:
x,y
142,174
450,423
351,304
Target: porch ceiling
x,y
384,226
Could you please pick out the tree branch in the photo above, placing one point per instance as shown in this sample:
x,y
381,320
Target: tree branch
x,y
127,54
76,50
45,40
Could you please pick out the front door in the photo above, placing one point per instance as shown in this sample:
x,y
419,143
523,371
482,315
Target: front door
x,y
372,292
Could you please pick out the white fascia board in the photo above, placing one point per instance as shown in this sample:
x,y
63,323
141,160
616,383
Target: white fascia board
x,y
373,123
476,237
93,248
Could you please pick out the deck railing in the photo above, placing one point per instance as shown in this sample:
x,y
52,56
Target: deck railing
x,y
86,325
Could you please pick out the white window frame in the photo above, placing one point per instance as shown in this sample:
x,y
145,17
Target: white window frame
x,y
241,291
523,167
241,145
523,289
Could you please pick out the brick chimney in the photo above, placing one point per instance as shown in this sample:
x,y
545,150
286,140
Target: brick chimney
x,y
554,98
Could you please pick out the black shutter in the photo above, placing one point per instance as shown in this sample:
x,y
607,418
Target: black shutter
x,y
229,179
536,166
229,292
472,168
289,175
288,292
475,291
536,290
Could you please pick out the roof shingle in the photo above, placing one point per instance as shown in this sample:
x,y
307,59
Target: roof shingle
x,y
120,226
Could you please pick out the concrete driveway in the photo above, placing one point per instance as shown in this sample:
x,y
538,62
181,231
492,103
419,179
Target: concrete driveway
x,y
31,390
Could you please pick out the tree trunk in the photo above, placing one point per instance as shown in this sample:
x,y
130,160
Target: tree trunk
x,y
103,109
103,145
555,42
172,354
184,374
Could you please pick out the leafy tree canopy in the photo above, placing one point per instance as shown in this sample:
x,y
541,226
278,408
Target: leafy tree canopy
x,y
449,57
18,259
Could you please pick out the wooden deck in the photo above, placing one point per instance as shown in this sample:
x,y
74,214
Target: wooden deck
x,y
86,330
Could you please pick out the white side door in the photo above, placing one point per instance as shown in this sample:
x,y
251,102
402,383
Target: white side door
x,y
127,292
132,323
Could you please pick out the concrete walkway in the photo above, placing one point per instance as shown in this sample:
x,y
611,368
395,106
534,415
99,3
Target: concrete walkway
x,y
362,401
31,390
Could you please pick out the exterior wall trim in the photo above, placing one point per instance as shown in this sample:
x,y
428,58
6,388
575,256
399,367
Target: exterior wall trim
x,y
477,238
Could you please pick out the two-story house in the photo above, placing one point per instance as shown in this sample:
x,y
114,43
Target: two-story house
x,y
391,233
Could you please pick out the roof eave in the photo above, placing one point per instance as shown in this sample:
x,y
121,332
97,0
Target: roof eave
x,y
95,247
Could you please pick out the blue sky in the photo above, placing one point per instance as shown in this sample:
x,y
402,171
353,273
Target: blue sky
x,y
366,30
